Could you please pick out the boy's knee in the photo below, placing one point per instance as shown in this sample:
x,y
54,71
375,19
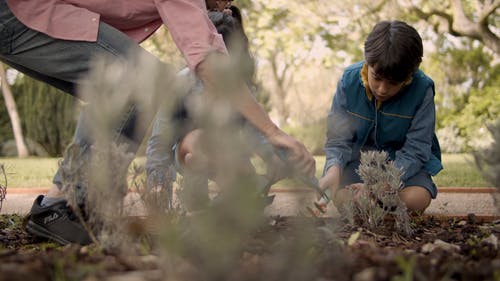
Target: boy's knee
x,y
416,198
188,159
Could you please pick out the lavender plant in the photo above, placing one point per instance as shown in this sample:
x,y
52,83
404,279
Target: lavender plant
x,y
379,196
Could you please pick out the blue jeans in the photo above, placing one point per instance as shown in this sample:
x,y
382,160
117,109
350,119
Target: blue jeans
x,y
166,132
62,63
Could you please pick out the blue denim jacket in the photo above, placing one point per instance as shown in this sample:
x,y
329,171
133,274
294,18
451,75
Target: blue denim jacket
x,y
403,126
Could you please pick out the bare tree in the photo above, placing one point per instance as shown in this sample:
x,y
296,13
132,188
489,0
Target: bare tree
x,y
10,103
473,19
283,78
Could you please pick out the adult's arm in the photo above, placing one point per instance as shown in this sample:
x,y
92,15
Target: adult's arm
x,y
191,29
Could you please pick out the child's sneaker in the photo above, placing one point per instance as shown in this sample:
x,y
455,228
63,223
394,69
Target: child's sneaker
x,y
56,222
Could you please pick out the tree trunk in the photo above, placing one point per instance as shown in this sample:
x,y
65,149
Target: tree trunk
x,y
10,103
280,91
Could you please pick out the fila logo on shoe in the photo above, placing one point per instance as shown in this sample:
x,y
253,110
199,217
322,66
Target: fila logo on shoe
x,y
50,218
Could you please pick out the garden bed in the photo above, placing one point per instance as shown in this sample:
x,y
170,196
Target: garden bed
x,y
282,248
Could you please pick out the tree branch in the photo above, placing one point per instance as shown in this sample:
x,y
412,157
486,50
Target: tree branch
x,y
488,8
461,23
458,24
442,15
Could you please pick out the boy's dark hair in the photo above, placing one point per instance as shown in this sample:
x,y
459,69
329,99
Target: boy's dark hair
x,y
231,29
394,49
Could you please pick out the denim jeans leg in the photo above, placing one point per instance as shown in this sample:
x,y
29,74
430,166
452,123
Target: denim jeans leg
x,y
63,63
159,162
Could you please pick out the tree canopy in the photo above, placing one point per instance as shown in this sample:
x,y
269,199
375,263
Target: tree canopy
x,y
301,48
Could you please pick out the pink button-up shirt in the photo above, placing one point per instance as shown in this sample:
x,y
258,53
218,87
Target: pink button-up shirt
x,y
187,21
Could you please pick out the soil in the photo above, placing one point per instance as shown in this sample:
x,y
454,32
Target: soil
x,y
282,248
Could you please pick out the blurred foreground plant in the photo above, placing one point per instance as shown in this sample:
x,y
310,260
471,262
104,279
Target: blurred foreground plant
x,y
3,185
488,161
94,171
210,244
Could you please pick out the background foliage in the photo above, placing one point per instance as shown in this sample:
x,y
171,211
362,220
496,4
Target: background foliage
x,y
48,118
301,48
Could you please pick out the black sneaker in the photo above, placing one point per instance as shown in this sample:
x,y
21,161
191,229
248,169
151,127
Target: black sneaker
x,y
56,222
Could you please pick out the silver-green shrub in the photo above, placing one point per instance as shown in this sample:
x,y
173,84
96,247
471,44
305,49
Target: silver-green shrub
x,y
380,194
488,160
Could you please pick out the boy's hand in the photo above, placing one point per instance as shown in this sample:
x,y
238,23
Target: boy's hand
x,y
356,189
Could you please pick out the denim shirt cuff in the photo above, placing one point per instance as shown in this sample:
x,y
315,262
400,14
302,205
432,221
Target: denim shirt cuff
x,y
333,162
405,167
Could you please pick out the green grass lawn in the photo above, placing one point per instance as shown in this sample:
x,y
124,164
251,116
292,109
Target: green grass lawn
x,y
30,172
460,171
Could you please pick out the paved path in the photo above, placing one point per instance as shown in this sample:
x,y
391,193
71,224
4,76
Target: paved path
x,y
289,202
453,202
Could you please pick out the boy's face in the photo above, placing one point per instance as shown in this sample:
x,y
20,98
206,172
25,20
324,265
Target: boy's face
x,y
382,88
218,5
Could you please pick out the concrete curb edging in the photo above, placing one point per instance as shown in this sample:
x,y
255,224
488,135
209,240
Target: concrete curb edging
x,y
456,202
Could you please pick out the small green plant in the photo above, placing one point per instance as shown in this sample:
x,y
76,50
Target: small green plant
x,y
407,267
488,161
58,273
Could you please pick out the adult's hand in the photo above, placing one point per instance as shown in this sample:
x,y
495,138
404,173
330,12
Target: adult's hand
x,y
298,156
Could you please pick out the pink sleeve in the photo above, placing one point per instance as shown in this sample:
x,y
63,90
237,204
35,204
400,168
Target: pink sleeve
x,y
191,29
57,19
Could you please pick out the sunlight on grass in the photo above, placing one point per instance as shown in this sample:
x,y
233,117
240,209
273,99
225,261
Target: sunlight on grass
x,y
30,172
460,171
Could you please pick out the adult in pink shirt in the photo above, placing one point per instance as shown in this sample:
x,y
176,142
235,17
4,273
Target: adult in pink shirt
x,y
54,40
